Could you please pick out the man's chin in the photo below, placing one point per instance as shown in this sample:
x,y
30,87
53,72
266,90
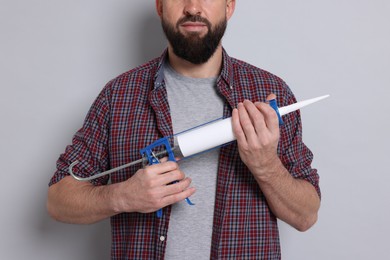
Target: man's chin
x,y
194,35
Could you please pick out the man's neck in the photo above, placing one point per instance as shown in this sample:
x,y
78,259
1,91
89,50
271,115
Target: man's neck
x,y
209,69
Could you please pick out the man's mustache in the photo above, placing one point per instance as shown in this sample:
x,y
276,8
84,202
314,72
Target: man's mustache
x,y
193,18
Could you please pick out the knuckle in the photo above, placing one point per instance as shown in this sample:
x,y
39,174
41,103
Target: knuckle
x,y
245,121
172,165
265,142
180,186
258,116
177,197
244,148
180,175
147,170
184,184
176,187
177,175
168,200
269,111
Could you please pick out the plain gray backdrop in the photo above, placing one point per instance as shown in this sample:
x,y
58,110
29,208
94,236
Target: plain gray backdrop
x,y
57,55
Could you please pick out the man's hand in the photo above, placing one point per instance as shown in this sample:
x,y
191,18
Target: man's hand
x,y
152,188
256,128
72,201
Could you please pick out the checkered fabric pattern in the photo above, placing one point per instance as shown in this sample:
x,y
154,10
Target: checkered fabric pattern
x,y
132,111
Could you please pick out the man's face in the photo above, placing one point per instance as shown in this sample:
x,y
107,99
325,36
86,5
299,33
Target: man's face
x,y
194,28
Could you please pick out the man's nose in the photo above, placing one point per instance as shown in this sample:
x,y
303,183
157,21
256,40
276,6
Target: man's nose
x,y
192,7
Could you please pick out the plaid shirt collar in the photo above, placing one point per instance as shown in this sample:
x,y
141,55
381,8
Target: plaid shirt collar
x,y
226,74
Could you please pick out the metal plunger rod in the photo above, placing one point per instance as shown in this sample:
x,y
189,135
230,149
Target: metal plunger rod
x,y
143,160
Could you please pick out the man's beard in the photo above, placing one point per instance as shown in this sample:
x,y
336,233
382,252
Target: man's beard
x,y
194,48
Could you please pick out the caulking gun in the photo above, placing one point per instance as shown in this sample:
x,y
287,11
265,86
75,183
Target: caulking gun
x,y
194,141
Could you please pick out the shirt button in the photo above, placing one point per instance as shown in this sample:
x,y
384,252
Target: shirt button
x,y
162,238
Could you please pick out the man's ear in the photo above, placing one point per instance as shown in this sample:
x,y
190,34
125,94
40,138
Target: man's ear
x,y
159,7
230,6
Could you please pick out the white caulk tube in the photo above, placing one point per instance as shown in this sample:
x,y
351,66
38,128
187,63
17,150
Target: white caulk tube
x,y
218,133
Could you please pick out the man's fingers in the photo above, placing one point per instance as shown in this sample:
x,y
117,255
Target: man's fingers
x,y
237,129
246,123
177,197
162,174
245,120
270,117
176,187
257,118
162,167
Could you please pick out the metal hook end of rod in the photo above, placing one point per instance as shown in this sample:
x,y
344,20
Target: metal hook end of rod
x,y
80,178
71,171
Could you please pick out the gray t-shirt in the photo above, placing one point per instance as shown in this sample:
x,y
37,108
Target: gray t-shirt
x,y
193,101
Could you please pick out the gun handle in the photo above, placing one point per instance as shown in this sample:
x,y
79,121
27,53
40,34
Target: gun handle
x,y
148,153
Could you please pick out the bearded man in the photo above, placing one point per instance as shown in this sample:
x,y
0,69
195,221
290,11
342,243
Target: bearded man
x,y
240,190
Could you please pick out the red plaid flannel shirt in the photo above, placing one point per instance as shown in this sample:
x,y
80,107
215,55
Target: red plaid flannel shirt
x,y
132,111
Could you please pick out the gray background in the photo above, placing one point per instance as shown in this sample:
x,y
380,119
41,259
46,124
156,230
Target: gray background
x,y
57,55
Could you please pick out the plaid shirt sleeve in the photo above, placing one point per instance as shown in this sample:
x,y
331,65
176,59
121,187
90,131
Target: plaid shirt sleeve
x,y
89,145
294,154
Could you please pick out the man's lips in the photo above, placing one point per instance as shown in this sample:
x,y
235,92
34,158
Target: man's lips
x,y
193,26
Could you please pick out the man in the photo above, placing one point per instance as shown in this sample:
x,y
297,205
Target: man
x,y
239,190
